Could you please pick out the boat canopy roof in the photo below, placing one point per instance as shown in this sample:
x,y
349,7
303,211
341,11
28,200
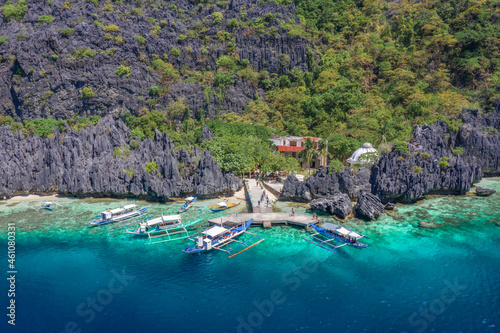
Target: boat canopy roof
x,y
121,209
343,231
189,198
162,219
215,231
346,232
223,204
330,226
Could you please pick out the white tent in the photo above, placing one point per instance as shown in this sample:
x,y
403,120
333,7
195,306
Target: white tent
x,y
357,158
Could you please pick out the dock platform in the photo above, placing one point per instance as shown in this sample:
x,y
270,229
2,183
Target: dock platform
x,y
269,219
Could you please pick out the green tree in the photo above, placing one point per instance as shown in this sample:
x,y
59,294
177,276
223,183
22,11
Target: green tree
x,y
341,146
16,11
217,17
335,166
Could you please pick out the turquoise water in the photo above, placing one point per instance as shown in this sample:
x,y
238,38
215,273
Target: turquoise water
x,y
409,279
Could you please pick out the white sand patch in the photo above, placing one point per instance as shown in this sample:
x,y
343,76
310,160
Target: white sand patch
x,y
32,197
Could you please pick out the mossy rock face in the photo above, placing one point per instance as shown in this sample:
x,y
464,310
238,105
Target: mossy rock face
x,y
178,37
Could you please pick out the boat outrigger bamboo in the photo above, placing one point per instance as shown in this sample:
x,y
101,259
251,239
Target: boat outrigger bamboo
x,y
220,235
118,214
188,204
163,225
329,233
223,206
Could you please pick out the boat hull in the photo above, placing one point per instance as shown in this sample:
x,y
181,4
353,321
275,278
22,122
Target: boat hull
x,y
183,209
234,233
327,235
119,218
357,244
157,231
215,210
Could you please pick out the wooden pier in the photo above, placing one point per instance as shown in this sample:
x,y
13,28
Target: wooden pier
x,y
268,220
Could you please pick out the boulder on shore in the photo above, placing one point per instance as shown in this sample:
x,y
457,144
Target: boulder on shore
x,y
484,192
339,205
368,207
389,206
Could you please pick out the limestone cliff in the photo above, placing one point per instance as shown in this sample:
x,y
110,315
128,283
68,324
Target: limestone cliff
x,y
99,161
438,161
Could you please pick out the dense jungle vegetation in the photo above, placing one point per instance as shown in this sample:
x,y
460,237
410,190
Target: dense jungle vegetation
x,y
375,69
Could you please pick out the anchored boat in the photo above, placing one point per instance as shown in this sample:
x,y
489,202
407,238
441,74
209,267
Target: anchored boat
x,y
188,204
219,236
118,214
49,205
163,225
223,206
329,233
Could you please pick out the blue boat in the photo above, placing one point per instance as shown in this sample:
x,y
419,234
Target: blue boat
x,y
188,204
118,214
329,233
49,205
221,235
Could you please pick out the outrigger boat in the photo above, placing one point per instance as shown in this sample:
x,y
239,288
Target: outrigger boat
x,y
163,225
188,204
49,205
222,206
118,214
220,235
329,233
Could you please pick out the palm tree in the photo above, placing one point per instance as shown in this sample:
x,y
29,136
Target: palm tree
x,y
307,154
323,150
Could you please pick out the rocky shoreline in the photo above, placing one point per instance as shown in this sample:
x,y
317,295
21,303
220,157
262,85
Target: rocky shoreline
x,y
439,161
99,161
92,163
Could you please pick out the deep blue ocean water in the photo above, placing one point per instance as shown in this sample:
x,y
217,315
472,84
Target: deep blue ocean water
x,y
409,279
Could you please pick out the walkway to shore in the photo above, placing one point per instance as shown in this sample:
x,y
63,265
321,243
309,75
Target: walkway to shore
x,y
268,219
255,192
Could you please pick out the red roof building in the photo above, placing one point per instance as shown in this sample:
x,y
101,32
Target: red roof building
x,y
290,149
292,145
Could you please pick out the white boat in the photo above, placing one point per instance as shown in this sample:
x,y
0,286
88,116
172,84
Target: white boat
x,y
161,225
118,214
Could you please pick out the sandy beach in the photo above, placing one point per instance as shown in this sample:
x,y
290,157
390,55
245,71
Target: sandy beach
x,y
31,197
